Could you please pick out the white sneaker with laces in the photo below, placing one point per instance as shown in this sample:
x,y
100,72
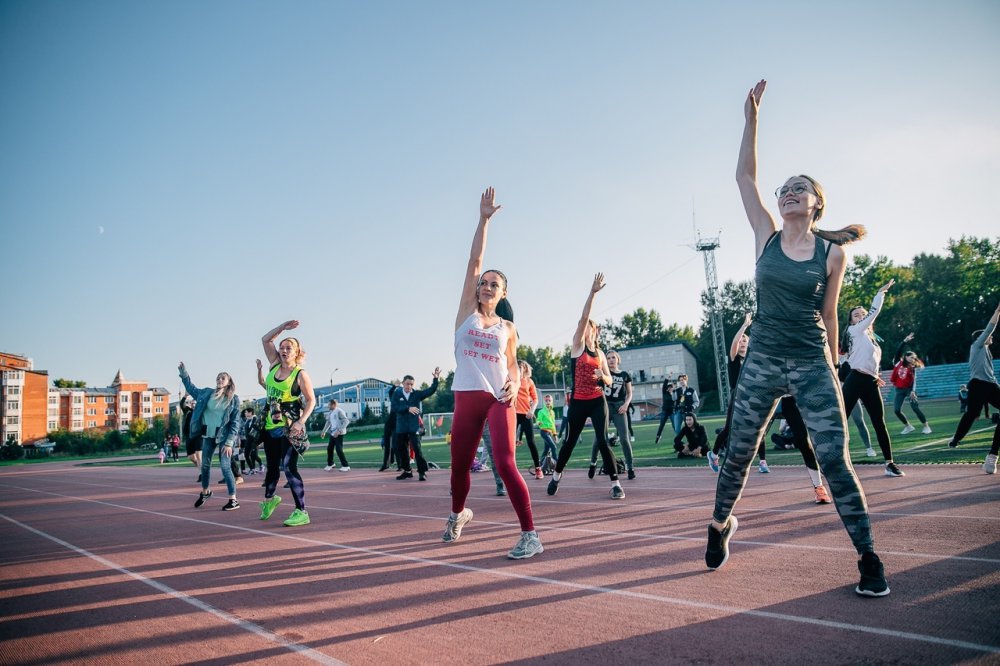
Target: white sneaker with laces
x,y
927,429
453,530
345,468
528,546
990,466
328,468
907,430
870,452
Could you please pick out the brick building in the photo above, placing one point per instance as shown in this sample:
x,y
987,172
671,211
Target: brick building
x,y
23,393
111,408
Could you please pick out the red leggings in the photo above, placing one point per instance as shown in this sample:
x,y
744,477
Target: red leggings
x,y
472,410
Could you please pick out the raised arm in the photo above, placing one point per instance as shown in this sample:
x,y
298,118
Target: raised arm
x,y
991,326
836,264
186,379
875,309
268,340
581,327
898,356
487,208
746,172
734,346
260,374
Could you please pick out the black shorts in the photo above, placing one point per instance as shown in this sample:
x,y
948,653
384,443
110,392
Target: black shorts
x,y
193,445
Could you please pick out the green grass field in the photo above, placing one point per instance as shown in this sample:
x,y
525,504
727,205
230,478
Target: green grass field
x,y
909,449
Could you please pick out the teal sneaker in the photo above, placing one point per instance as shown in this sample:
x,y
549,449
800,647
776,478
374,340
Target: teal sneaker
x,y
268,506
298,518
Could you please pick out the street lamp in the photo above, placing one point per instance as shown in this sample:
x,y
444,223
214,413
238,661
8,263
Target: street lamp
x,y
331,375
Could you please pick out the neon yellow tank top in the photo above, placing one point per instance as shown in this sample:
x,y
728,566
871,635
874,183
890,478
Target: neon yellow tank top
x,y
279,391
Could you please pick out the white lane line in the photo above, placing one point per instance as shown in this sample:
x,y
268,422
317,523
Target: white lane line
x,y
297,648
935,557
935,442
595,589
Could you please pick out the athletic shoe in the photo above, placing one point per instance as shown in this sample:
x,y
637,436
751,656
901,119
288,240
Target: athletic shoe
x,y
538,473
657,441
990,466
907,430
892,470
528,546
553,486
718,544
297,519
345,468
422,476
822,497
328,468
631,474
383,468
221,481
927,429
199,479
590,471
204,495
952,444
453,530
405,475
872,577
617,492
268,506
763,467
288,484
231,505
713,462
239,480
501,491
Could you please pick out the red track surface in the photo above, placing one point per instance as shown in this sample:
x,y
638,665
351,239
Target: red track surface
x,y
113,565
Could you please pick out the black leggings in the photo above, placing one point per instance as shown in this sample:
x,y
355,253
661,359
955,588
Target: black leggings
x,y
279,453
388,449
864,387
981,394
596,410
528,428
251,456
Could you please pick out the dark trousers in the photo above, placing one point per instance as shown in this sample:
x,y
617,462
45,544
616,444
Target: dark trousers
x,y
664,417
863,387
388,446
404,441
597,411
528,429
981,394
336,443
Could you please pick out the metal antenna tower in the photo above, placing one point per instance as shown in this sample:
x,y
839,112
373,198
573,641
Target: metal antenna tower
x,y
707,246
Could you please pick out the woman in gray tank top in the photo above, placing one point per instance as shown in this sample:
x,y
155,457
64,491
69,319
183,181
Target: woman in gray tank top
x,y
792,352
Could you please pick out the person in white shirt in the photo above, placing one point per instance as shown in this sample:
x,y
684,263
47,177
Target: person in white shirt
x,y
864,356
336,425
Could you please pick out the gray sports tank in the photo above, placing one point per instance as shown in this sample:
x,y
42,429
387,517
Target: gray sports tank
x,y
790,294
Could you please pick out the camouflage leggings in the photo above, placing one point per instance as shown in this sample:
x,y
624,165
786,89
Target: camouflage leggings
x,y
813,384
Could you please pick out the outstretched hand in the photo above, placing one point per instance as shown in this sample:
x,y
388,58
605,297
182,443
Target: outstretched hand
x,y
487,204
747,319
290,324
908,337
886,287
598,283
260,365
436,373
180,366
752,104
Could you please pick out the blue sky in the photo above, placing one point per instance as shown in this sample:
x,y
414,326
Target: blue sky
x,y
178,177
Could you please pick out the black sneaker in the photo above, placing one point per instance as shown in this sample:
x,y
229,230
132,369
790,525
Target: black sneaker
x,y
405,475
231,505
617,492
718,544
199,479
590,472
952,444
553,487
872,577
221,481
205,494
657,441
631,474
892,470
423,477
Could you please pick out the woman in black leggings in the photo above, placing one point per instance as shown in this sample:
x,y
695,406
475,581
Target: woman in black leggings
x,y
864,356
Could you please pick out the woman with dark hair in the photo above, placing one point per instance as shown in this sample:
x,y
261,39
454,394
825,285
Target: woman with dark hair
x,y
590,376
288,387
524,407
697,439
793,350
904,378
216,418
485,385
863,382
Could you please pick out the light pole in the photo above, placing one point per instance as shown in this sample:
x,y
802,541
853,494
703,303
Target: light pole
x,y
331,376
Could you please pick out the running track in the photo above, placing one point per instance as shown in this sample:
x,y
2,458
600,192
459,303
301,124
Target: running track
x,y
105,565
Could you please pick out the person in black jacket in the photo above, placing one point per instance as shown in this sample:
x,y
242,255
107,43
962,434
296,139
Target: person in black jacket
x,y
697,439
667,408
406,407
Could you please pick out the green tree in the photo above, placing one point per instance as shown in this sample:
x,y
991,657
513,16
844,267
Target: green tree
x,y
546,363
443,399
735,300
642,327
69,383
136,429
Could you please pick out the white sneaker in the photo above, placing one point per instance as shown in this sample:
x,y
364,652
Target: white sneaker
x,y
870,452
528,546
990,466
345,468
762,468
927,429
328,468
453,530
907,430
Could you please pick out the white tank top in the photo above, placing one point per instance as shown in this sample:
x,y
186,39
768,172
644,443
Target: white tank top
x,y
480,356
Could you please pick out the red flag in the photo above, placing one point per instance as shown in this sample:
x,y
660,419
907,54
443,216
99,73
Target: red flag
x,y
440,421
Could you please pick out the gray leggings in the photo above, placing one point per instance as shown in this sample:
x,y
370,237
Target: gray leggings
x,y
621,427
813,383
858,417
897,406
